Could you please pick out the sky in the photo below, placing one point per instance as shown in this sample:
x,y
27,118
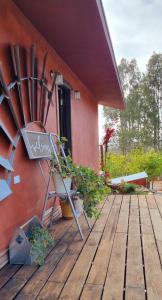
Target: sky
x,y
136,31
135,28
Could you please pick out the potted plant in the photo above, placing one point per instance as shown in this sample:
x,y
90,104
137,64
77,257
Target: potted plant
x,y
62,173
92,189
30,243
62,176
40,241
62,170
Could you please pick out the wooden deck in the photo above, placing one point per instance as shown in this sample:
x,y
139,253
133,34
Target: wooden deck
x,y
121,258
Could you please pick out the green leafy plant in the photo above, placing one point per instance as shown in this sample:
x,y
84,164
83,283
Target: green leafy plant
x,y
85,180
64,168
40,240
135,161
129,188
91,187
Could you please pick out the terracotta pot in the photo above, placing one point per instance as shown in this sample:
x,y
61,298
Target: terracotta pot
x,y
66,210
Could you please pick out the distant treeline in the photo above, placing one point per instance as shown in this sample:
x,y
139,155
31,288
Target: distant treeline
x,y
140,124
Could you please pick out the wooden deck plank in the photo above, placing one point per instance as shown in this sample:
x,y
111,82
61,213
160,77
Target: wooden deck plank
x,y
22,277
134,221
158,199
132,293
123,217
10,290
98,270
95,268
134,267
60,227
151,201
134,227
32,285
134,201
7,272
157,226
152,268
134,274
146,225
113,288
50,291
81,268
118,199
142,201
91,291
99,225
19,272
66,264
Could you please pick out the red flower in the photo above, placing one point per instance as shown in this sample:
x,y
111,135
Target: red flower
x,y
108,135
107,174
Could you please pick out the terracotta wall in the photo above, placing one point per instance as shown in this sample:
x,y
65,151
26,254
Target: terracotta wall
x,y
27,197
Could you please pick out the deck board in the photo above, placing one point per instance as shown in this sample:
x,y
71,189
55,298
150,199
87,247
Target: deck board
x,y
98,270
92,291
153,268
120,258
114,283
134,268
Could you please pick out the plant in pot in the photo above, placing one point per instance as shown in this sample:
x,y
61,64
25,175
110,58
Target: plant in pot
x,y
92,189
40,240
62,168
62,173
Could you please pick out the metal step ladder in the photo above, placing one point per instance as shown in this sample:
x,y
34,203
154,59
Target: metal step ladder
x,y
67,195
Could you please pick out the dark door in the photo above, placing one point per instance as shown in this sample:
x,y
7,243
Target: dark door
x,y
65,117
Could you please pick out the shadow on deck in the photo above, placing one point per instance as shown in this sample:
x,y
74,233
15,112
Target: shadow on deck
x,y
120,258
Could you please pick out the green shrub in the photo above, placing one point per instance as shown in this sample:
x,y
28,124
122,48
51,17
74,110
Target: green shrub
x,y
129,188
91,187
40,240
134,162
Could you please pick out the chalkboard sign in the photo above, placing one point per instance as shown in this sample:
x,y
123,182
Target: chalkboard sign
x,y
38,144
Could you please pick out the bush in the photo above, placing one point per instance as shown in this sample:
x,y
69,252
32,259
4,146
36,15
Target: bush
x,y
40,240
134,162
129,188
91,187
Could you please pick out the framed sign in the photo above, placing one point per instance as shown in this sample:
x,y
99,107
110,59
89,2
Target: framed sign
x,y
37,144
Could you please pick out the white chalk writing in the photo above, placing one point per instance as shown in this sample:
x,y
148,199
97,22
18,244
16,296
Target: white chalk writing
x,y
40,146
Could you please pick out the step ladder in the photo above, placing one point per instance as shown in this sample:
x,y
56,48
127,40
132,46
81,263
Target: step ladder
x,y
68,196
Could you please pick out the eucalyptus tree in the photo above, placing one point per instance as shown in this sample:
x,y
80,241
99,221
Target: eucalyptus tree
x,y
125,121
154,83
140,124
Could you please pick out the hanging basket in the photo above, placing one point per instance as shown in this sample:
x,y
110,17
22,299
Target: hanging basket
x,y
59,185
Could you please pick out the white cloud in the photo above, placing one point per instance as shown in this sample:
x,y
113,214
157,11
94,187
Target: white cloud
x,y
135,28
136,31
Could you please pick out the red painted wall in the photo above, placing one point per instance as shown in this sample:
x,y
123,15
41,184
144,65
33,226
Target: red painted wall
x,y
28,195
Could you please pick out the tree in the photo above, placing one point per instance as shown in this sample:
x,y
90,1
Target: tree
x,y
126,120
139,125
154,80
